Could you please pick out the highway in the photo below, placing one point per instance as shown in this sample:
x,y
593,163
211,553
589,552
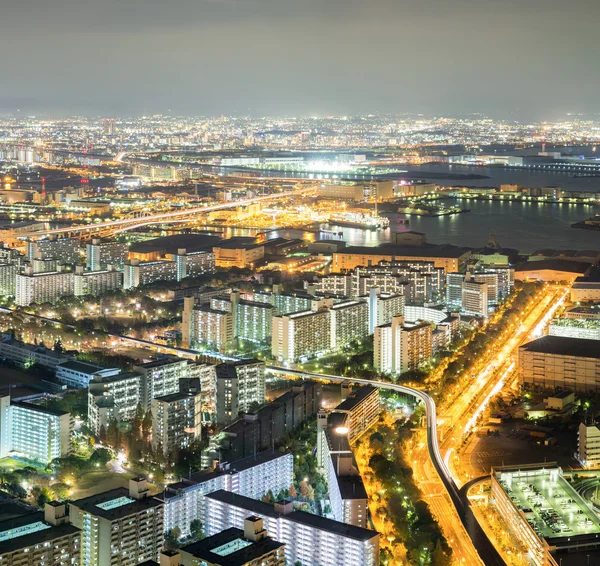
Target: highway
x,y
166,217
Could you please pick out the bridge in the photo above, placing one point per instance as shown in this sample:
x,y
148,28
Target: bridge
x,y
104,229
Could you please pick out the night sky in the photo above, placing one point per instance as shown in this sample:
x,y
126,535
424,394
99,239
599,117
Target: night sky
x,y
522,59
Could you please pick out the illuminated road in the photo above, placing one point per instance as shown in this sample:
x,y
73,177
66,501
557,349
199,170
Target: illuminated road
x,y
166,217
465,548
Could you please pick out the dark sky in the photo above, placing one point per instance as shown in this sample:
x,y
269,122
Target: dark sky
x,y
527,59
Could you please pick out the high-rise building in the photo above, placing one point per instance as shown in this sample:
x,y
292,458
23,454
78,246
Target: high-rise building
x,y
160,377
252,320
251,477
382,307
192,264
138,272
202,325
63,250
40,538
349,321
454,291
34,432
475,298
308,538
250,546
588,445
176,420
42,287
95,282
239,386
400,347
114,397
119,527
301,335
8,279
100,254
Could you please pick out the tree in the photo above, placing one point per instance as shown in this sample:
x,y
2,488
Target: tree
x,y
58,346
293,492
60,490
197,530
147,423
100,457
172,538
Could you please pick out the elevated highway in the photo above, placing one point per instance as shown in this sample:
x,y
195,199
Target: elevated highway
x,y
103,229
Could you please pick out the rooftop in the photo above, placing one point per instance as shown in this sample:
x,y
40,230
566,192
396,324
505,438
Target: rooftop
x,y
429,250
356,398
82,367
38,408
555,265
29,530
548,502
563,346
171,244
230,548
260,508
115,504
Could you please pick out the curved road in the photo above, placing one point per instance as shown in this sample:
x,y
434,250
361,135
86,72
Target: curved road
x,y
488,554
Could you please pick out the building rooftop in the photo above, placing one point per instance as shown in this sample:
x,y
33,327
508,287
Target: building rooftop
x,y
300,517
563,346
226,468
29,530
428,250
549,503
82,367
161,362
554,265
356,398
115,504
38,408
171,244
230,548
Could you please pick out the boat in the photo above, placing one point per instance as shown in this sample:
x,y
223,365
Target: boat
x,y
359,220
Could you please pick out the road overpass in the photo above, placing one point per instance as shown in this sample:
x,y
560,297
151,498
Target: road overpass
x,y
103,229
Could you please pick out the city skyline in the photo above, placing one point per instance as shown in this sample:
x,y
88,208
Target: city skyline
x,y
503,58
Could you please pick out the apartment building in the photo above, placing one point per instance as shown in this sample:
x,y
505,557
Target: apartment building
x,y
400,346
138,272
251,477
588,445
34,432
176,420
95,282
8,279
160,377
349,321
100,254
121,527
42,287
113,397
40,538
301,335
203,325
308,538
239,386
250,546
383,307
63,250
192,264
474,298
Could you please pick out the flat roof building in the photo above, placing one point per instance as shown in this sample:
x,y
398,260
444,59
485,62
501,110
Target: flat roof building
x,y
308,538
558,362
